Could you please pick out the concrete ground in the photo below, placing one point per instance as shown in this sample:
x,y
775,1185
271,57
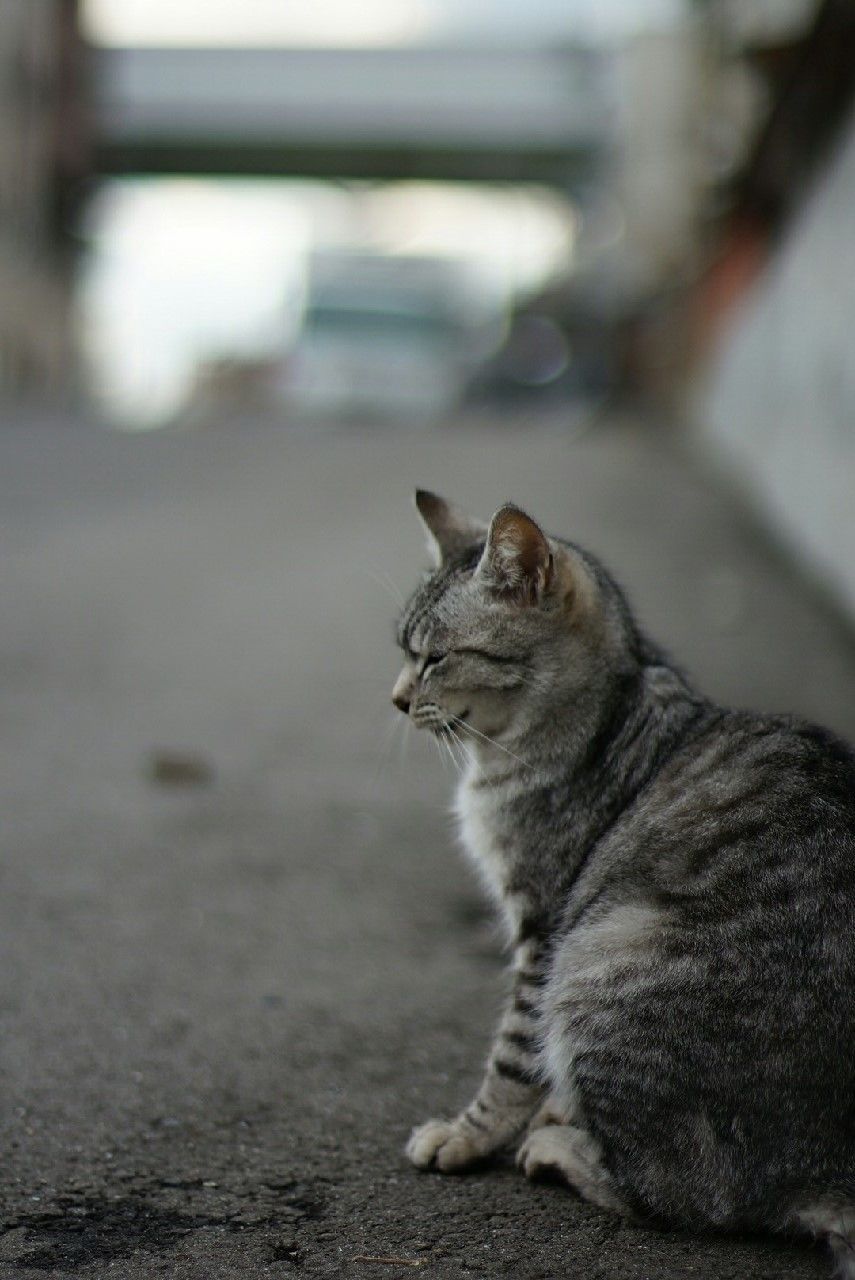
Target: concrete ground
x,y
239,956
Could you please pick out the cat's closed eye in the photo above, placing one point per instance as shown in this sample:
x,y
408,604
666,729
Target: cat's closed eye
x,y
433,660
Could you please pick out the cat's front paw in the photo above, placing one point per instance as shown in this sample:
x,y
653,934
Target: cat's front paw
x,y
446,1145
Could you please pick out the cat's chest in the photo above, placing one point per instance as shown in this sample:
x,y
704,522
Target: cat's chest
x,y
487,834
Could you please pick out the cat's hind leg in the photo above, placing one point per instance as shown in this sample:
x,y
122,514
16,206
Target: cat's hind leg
x,y
563,1109
551,1112
832,1219
567,1152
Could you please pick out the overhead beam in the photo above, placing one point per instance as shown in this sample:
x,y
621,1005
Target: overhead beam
x,y
497,115
153,156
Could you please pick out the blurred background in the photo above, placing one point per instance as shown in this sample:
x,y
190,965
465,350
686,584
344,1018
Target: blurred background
x,y
403,211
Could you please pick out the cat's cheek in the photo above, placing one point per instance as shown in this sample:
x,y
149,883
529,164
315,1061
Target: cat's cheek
x,y
489,714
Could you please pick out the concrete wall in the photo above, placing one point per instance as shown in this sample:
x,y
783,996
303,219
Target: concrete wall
x,y
658,167
778,406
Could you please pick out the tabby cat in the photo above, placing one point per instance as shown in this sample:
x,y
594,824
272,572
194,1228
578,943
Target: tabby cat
x,y
678,885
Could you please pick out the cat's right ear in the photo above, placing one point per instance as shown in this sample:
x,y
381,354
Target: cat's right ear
x,y
450,532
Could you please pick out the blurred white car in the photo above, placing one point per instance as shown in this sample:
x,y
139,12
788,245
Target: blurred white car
x,y
381,337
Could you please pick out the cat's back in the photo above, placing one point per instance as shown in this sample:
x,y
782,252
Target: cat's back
x,y
749,801
745,802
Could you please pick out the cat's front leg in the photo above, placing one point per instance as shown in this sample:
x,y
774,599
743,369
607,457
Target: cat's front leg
x,y
509,1093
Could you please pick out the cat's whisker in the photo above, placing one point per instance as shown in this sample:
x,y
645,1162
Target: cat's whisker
x,y
404,740
384,581
469,758
446,747
465,725
401,732
462,754
453,756
388,737
387,743
442,751
456,763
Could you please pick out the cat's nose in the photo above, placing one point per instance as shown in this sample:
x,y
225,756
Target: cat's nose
x,y
402,693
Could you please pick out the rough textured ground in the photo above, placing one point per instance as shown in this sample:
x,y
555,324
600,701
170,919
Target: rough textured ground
x,y
239,957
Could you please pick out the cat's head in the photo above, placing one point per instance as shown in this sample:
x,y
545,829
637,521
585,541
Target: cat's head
x,y
511,626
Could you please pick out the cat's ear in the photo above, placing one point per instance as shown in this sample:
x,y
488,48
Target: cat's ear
x,y
517,561
450,532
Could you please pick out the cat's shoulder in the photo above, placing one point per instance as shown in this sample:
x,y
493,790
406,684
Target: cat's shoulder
x,y
735,736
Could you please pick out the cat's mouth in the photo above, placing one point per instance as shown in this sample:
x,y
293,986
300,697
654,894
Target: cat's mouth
x,y
438,721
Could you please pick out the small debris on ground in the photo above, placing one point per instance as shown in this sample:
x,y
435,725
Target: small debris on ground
x,y
179,769
389,1262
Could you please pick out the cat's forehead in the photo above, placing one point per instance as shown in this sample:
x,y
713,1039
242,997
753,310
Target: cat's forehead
x,y
441,606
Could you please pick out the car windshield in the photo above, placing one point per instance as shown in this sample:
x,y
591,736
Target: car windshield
x,y
392,322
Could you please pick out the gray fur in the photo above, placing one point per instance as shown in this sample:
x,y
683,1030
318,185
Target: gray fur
x,y
678,884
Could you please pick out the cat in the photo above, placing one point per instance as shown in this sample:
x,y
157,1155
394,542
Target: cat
x,y
677,881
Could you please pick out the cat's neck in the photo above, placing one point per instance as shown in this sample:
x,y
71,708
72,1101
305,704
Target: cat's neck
x,y
576,734
534,822
597,754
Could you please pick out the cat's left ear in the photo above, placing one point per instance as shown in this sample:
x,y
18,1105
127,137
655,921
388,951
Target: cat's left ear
x,y
517,561
450,532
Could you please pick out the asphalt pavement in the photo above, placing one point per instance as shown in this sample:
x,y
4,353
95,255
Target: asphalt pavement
x,y
239,953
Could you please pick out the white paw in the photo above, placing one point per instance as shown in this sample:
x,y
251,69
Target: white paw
x,y
568,1154
544,1154
445,1145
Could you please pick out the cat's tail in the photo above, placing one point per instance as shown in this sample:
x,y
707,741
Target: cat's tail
x,y
830,1218
843,1252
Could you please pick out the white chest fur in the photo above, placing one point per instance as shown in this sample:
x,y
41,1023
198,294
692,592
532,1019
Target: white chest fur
x,y
477,809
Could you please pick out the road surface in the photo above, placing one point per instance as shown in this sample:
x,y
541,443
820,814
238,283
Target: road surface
x,y
239,954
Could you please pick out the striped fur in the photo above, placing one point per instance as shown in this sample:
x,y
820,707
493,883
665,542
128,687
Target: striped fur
x,y
677,882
